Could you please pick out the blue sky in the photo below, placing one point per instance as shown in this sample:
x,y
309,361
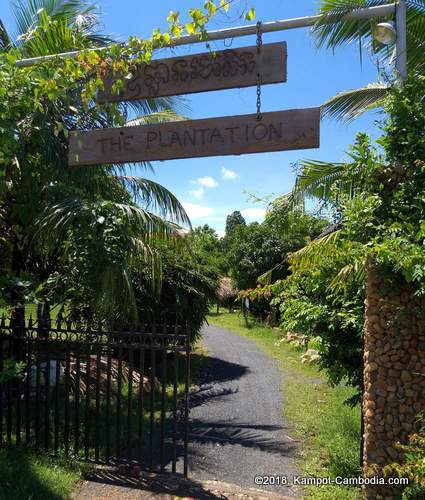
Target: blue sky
x,y
210,188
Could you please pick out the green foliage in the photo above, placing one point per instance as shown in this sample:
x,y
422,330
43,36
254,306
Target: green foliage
x,y
208,248
252,250
76,235
37,476
188,289
11,370
232,221
394,206
333,183
310,307
412,466
255,249
377,200
333,30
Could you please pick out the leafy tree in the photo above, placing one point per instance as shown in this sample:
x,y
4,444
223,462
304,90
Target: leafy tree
x,y
208,248
69,231
381,211
187,289
232,221
256,249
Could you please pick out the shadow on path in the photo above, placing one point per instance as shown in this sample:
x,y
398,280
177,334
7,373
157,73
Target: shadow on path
x,y
217,370
160,484
243,435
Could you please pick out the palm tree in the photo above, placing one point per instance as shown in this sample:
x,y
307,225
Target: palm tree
x,y
320,179
333,31
47,205
327,182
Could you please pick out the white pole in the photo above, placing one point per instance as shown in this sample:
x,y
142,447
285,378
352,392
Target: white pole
x,y
401,42
251,29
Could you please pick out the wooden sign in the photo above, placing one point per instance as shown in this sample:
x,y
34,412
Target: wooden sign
x,y
232,68
230,135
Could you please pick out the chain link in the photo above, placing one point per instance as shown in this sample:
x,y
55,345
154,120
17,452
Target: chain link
x,y
259,37
259,45
259,96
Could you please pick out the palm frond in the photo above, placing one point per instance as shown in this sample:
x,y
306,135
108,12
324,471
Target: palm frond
x,y
350,104
166,115
145,254
416,39
5,41
353,273
293,202
76,19
159,104
115,289
150,227
315,252
266,278
155,197
317,178
334,30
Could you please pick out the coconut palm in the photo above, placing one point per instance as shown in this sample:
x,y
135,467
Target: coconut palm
x,y
327,182
321,179
333,31
47,207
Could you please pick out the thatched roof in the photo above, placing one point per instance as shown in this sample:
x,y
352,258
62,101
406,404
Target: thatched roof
x,y
225,290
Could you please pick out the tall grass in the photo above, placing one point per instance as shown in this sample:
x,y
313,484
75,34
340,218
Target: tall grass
x,y
38,477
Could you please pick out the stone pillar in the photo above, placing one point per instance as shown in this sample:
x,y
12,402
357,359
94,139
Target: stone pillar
x,y
394,373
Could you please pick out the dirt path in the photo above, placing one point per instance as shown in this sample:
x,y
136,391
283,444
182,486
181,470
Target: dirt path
x,y
237,429
236,432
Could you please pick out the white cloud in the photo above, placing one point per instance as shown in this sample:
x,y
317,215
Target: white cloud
x,y
227,174
197,211
254,213
208,182
197,193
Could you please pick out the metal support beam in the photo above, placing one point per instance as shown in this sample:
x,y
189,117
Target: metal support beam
x,y
401,42
251,29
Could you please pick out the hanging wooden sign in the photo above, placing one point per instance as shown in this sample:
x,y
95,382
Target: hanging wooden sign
x,y
230,135
232,68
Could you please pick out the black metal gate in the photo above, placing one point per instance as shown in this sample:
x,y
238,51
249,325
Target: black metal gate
x,y
113,396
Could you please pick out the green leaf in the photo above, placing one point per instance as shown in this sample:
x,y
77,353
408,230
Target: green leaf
x,y
250,15
224,4
190,28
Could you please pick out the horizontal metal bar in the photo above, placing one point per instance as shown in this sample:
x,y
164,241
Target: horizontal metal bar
x,y
250,29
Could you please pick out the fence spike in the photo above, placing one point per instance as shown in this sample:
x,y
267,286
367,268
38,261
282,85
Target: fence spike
x,y
59,320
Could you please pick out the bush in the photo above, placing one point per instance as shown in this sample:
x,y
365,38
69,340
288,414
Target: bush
x,y
187,292
413,465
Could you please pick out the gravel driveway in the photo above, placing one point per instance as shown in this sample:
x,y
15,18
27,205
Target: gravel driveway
x,y
237,429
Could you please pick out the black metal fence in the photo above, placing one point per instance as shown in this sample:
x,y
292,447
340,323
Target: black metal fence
x,y
114,396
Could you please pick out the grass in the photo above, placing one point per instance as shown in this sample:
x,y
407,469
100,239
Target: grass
x,y
25,476
328,430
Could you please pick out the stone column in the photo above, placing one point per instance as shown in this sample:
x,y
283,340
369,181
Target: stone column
x,y
394,373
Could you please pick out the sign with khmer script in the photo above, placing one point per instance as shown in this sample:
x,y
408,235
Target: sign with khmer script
x,y
232,68
230,135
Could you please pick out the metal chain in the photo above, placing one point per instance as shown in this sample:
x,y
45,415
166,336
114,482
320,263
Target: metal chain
x,y
259,97
259,37
259,45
